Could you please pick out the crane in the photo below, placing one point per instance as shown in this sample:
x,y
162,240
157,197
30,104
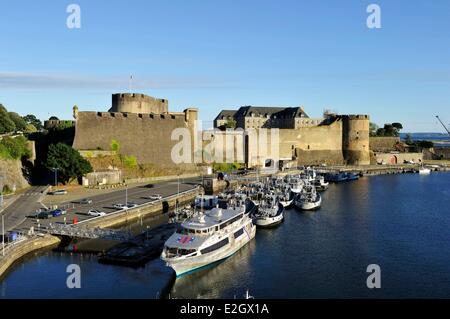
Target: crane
x,y
445,127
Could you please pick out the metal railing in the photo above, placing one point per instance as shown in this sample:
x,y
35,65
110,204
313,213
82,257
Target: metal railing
x,y
9,246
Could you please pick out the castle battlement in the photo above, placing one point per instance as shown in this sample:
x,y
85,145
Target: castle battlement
x,y
138,103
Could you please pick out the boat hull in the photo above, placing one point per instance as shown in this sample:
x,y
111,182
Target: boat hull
x,y
287,203
268,222
189,265
308,205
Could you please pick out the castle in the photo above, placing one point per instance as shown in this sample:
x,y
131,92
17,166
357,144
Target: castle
x,y
333,139
141,124
143,127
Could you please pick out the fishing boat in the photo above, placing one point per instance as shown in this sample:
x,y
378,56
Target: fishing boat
x,y
320,183
308,199
296,185
287,199
270,213
208,238
336,177
352,176
424,170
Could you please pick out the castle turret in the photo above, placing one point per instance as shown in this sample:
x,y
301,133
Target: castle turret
x,y
356,139
138,103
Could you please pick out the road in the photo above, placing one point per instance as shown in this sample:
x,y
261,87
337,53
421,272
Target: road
x,y
103,202
28,202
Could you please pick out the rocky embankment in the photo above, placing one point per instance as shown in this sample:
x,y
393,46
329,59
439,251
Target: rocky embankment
x,y
11,174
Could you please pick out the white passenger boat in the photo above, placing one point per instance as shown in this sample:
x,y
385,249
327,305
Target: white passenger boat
x,y
270,213
309,198
424,171
208,238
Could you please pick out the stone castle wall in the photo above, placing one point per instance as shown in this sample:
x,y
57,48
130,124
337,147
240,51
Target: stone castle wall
x,y
383,143
138,103
313,145
146,136
355,145
344,140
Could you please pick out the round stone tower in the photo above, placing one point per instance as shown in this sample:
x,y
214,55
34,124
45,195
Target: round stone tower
x,y
356,139
138,103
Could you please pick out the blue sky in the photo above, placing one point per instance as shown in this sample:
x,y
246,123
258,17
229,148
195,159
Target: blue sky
x,y
224,54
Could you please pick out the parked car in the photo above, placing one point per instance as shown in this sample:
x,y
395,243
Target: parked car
x,y
96,213
44,215
155,196
120,206
85,201
58,212
131,205
58,192
149,186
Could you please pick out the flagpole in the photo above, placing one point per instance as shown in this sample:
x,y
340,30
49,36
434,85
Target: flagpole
x,y
129,83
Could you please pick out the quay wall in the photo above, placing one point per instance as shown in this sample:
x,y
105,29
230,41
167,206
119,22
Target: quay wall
x,y
24,248
33,244
398,158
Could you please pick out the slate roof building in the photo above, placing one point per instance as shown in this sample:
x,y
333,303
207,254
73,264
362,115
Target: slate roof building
x,y
265,117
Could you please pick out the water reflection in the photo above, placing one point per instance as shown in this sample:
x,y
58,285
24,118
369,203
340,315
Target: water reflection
x,y
218,280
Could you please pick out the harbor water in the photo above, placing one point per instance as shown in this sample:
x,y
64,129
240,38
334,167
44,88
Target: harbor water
x,y
399,222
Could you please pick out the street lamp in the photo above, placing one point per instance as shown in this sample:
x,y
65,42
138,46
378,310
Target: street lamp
x,y
55,169
3,236
1,191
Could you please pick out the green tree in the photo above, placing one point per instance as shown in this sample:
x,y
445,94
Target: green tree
x,y
33,120
380,132
115,146
6,124
30,128
130,161
373,129
14,148
425,144
408,139
18,120
68,161
398,126
389,130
